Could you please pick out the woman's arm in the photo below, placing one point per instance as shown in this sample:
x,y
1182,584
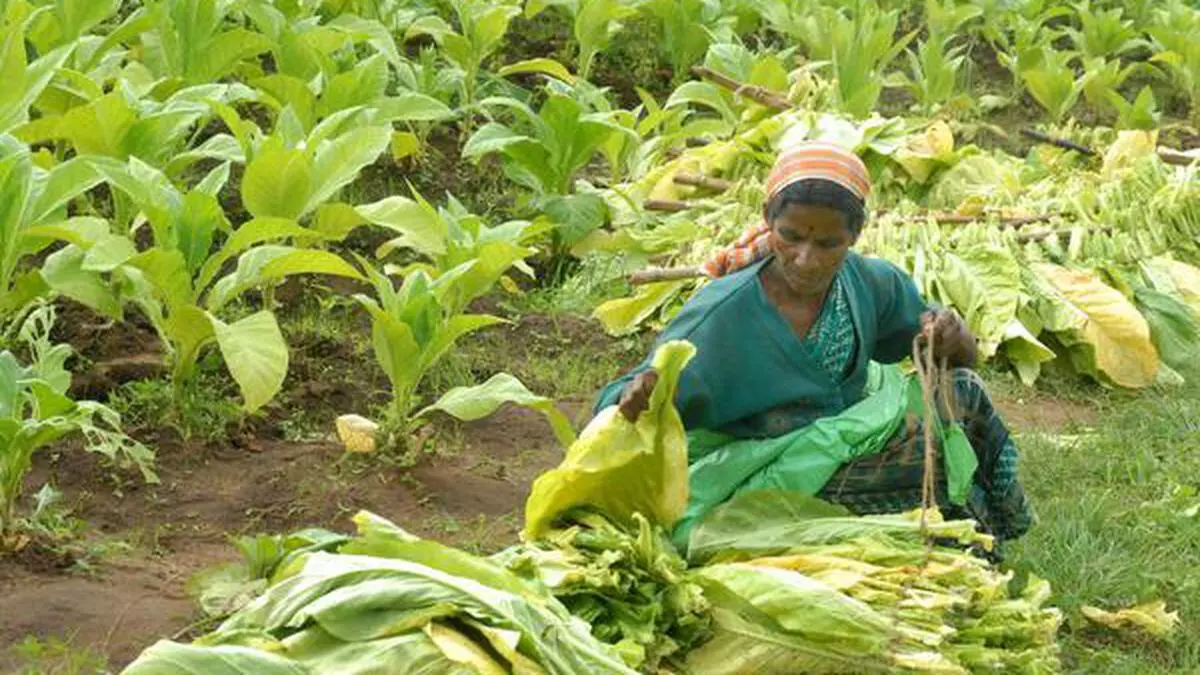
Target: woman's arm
x,y
903,314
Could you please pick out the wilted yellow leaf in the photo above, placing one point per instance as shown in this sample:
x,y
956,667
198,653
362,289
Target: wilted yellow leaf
x,y
1130,147
923,153
1151,618
357,433
1111,337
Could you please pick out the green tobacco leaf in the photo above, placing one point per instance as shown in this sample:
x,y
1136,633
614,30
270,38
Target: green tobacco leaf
x,y
382,538
222,53
420,226
189,330
268,264
1025,352
361,598
395,348
472,403
576,216
619,467
704,94
414,651
772,522
255,232
24,81
455,328
290,91
363,84
171,657
624,316
542,66
778,621
492,137
410,107
1174,327
336,220
255,354
278,183
492,260
338,162
984,285
64,273
62,184
222,147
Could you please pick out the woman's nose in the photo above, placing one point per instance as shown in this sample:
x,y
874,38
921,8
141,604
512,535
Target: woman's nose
x,y
801,255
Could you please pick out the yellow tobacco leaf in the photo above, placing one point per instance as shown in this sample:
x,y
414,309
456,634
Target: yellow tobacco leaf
x,y
1109,338
357,433
1151,618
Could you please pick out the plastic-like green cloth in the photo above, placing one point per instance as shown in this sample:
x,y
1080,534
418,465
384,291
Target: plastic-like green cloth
x,y
722,466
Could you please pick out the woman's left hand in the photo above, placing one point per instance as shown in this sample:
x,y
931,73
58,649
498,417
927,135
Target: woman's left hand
x,y
952,341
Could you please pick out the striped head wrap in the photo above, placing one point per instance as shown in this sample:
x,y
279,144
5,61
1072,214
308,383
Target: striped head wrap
x,y
803,161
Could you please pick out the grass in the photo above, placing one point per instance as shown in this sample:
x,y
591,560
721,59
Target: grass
x,y
1117,526
54,656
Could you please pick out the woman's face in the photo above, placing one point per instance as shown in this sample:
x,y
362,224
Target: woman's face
x,y
810,243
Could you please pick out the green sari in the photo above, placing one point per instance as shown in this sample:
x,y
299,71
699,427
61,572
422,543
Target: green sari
x,y
822,414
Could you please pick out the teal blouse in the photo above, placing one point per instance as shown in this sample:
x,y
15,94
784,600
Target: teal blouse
x,y
753,377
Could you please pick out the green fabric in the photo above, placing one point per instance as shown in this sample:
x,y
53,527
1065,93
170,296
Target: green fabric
x,y
750,360
722,465
830,341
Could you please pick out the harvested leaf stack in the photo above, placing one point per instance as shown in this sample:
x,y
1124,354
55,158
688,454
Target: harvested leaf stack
x,y
632,587
772,583
812,589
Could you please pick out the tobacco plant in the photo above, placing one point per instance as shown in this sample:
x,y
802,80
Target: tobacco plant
x,y
1054,84
481,28
33,216
449,237
35,411
197,41
184,288
859,44
1103,33
594,24
687,28
412,328
1176,35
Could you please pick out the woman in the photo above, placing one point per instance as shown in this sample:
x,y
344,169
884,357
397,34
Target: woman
x,y
785,334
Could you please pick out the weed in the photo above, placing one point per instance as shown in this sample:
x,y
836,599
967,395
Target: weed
x,y
208,411
55,656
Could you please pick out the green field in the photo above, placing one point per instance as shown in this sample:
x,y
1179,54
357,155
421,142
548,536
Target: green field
x,y
224,224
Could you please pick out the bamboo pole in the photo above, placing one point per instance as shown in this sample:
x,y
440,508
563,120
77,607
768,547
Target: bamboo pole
x,y
668,205
652,275
1175,157
1167,155
1058,142
760,95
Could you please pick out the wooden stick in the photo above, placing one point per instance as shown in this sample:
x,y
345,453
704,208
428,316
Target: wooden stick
x,y
1175,157
668,205
1026,237
1059,142
760,95
1167,155
652,275
1010,221
702,181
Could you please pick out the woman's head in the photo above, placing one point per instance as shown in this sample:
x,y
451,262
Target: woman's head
x,y
815,208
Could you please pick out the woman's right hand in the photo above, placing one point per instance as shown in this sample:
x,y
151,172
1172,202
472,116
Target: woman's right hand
x,y
635,397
